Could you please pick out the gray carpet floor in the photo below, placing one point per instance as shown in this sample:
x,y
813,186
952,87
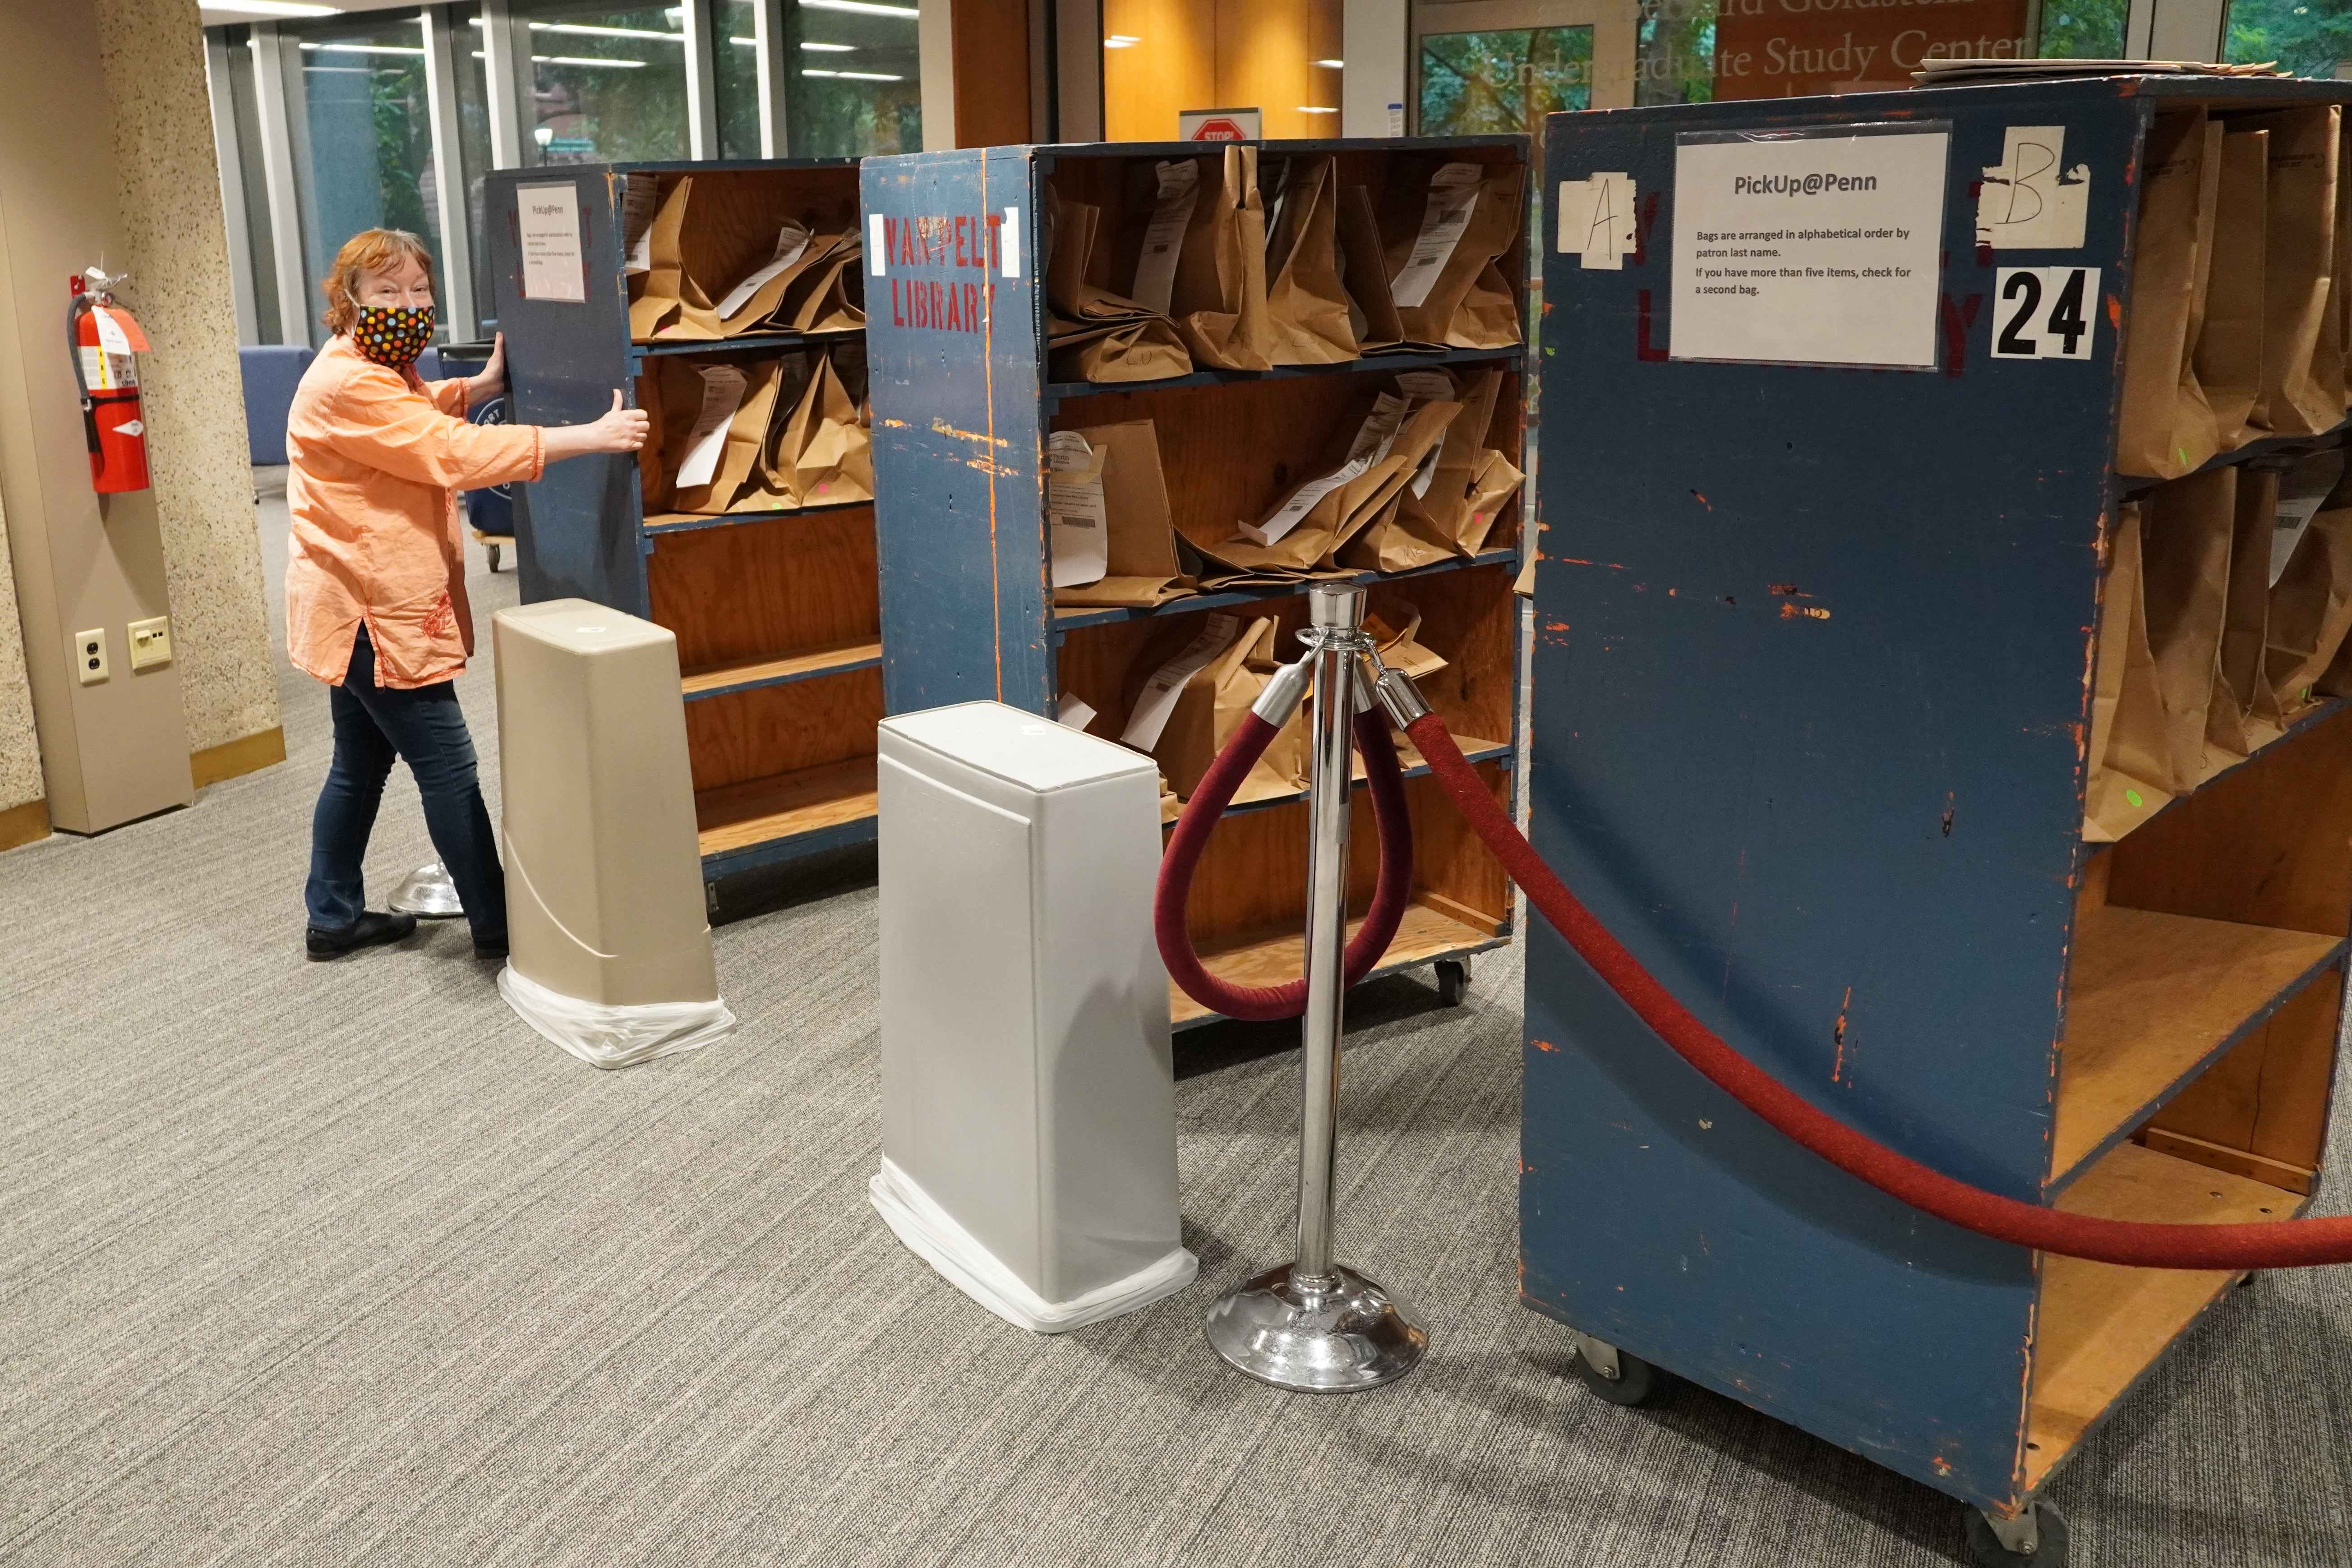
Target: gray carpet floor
x,y
325,1263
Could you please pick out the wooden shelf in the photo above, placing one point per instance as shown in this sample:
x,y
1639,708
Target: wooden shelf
x,y
685,522
2153,999
1425,934
2131,484
1393,360
1070,619
760,810
747,674
2100,1327
1473,751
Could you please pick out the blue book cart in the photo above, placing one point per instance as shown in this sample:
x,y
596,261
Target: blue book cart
x,y
1814,668
776,613
963,403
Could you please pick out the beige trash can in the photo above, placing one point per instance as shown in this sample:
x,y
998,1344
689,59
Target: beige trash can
x,y
609,953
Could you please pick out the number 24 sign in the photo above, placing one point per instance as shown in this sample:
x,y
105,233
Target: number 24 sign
x,y
2045,312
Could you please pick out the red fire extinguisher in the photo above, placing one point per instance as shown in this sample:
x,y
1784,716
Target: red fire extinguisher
x,y
105,343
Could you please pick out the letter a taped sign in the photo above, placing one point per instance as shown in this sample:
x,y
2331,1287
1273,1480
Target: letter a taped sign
x,y
1596,220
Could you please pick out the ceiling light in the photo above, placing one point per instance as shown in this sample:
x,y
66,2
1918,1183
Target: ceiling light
x,y
861,7
831,48
586,60
1120,41
1333,65
364,48
1312,109
585,29
853,75
273,8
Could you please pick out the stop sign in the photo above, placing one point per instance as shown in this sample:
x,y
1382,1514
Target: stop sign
x,y
1219,130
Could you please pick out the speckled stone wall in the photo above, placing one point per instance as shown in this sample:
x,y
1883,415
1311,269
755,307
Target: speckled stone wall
x,y
152,54
20,748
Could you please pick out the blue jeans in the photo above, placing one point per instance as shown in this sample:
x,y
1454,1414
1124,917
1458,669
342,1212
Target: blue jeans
x,y
425,727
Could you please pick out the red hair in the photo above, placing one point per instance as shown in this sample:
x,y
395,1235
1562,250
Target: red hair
x,y
370,250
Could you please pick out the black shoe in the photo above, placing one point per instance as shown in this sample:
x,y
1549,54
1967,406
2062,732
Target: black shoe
x,y
371,930
493,952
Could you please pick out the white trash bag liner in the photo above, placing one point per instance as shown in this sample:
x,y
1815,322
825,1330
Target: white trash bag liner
x,y
610,1037
931,1233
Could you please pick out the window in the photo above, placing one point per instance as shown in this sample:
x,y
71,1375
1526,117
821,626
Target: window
x,y
2309,37
856,84
246,110
608,86
362,138
1475,84
735,73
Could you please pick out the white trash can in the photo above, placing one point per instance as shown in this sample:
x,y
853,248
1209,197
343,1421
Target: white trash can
x,y
1028,1096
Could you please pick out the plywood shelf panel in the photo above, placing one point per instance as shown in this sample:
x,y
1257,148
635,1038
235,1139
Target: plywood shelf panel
x,y
1393,361
743,342
745,674
1070,619
1423,934
759,811
1473,749
2100,1327
661,522
2152,999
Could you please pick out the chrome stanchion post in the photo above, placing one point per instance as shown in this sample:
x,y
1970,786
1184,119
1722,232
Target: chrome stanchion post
x,y
1315,1324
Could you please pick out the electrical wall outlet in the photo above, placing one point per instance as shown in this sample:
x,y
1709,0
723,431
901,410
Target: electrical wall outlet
x,y
89,656
150,642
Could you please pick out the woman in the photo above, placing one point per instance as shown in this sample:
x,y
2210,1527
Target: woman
x,y
375,578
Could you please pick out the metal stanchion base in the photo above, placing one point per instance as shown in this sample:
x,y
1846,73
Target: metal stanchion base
x,y
1348,1336
427,893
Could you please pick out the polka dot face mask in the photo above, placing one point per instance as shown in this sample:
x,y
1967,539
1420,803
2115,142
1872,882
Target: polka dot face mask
x,y
393,335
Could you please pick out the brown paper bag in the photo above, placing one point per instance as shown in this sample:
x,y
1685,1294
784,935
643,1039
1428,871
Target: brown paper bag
x,y
2127,741
1142,566
1091,333
829,297
1461,457
1443,226
2228,734
755,296
2167,426
1307,307
2229,359
1215,691
1401,538
2310,614
747,436
823,452
653,469
1395,630
1309,523
2339,293
2186,528
1497,481
2299,267
1218,301
665,301
1364,272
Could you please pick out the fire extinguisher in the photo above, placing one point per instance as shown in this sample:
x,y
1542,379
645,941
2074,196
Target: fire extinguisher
x,y
105,343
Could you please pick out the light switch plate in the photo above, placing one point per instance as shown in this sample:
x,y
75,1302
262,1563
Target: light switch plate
x,y
150,642
89,656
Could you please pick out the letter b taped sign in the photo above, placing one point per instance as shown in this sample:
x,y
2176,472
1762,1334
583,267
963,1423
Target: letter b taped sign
x,y
2045,312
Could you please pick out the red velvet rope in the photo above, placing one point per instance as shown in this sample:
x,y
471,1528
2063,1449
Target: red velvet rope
x,y
1208,802
2284,1244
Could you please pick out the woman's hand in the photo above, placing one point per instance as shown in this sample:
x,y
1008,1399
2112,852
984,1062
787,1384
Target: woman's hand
x,y
480,389
619,430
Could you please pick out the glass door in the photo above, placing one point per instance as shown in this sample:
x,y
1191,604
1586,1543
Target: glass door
x,y
1481,66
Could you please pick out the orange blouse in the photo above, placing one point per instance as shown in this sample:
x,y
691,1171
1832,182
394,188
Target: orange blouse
x,y
374,459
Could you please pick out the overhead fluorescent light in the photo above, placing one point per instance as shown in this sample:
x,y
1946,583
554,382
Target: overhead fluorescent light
x,y
1120,41
363,48
1333,65
830,48
862,8
853,75
273,8
1314,109
588,30
586,60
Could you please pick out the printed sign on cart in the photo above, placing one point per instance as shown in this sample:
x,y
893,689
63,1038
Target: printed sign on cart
x,y
1804,248
547,223
2044,312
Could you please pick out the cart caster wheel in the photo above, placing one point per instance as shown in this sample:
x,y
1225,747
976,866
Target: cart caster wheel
x,y
1453,981
2035,1538
494,555
1613,1374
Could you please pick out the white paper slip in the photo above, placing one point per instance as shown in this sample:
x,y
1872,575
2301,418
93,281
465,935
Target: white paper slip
x,y
792,243
1080,536
111,335
2294,515
637,208
547,225
1074,712
1163,241
1427,471
723,393
1426,386
1167,682
1452,197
